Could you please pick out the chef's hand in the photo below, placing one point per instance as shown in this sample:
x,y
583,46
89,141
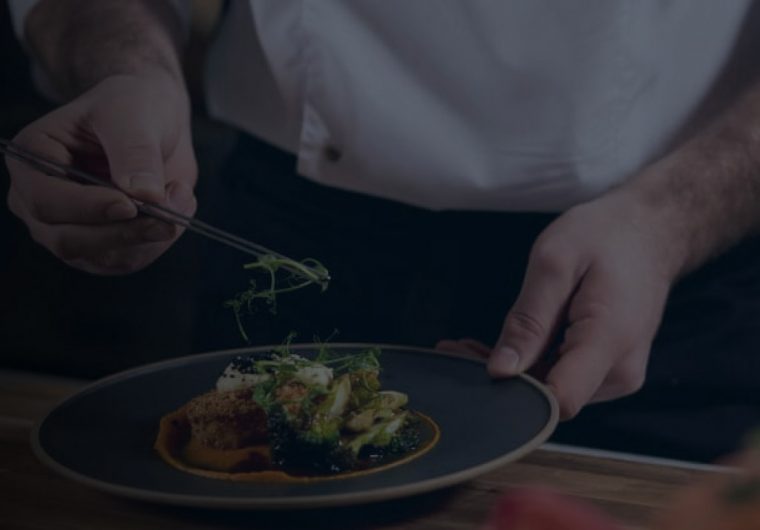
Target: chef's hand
x,y
132,130
597,281
594,292
598,277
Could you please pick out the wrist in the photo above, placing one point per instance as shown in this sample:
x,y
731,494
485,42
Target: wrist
x,y
656,227
696,202
79,43
150,92
166,85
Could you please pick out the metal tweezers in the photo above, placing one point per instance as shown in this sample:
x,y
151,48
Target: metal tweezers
x,y
55,169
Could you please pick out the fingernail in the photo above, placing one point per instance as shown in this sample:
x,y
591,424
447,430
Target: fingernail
x,y
120,211
504,360
158,232
181,198
147,183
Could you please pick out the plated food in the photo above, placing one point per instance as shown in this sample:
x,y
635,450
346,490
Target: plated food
x,y
282,416
116,452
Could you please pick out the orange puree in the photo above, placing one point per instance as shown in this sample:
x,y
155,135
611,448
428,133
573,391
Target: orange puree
x,y
177,447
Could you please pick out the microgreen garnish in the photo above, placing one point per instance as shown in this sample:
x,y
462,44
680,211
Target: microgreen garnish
x,y
280,275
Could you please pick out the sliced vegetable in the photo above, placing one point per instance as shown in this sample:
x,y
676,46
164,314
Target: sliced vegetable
x,y
379,435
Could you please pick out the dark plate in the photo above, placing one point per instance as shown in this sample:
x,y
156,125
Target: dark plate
x,y
103,436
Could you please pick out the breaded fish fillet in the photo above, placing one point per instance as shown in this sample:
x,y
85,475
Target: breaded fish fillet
x,y
227,420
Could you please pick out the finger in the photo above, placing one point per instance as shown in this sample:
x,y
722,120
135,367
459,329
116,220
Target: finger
x,y
586,357
626,377
463,347
533,320
80,241
180,197
476,347
72,242
53,200
135,159
181,163
121,261
575,378
450,346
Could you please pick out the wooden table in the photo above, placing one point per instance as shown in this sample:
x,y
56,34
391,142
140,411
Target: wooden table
x,y
32,497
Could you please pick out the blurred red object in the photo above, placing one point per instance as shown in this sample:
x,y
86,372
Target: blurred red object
x,y
538,509
725,501
717,501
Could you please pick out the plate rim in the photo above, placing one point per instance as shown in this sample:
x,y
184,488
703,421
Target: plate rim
x,y
288,502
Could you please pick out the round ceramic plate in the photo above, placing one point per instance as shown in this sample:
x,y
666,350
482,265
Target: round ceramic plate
x,y
103,435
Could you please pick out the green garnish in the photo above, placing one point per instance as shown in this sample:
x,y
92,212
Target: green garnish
x,y
366,360
363,361
281,275
743,491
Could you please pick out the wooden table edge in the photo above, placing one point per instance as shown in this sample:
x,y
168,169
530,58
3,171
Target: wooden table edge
x,y
635,458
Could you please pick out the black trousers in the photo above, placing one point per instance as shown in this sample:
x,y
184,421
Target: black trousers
x,y
411,276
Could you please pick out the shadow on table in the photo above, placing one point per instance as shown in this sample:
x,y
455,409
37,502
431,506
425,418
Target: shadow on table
x,y
401,512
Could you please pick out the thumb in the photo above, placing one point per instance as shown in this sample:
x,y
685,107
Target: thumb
x,y
533,320
134,157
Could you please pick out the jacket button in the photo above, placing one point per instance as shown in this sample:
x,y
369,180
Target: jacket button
x,y
332,153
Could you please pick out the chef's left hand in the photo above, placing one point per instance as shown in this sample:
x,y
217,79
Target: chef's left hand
x,y
595,288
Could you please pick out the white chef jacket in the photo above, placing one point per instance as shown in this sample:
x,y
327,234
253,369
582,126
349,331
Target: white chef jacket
x,y
510,105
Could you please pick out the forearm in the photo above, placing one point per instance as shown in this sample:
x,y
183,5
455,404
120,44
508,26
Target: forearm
x,y
81,42
705,195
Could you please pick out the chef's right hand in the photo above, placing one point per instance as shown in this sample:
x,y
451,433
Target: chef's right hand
x,y
131,130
